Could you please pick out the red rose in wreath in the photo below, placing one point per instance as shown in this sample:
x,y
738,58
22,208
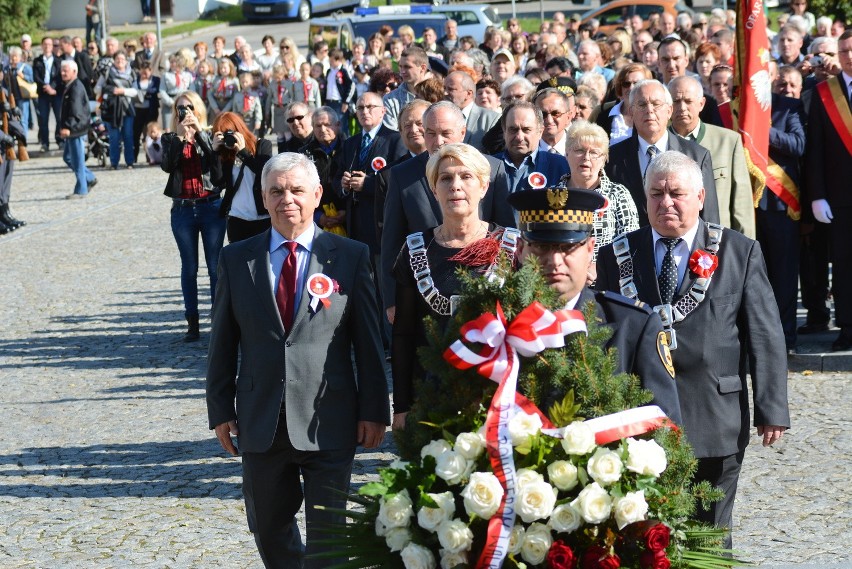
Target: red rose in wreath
x,y
657,537
597,557
703,263
560,556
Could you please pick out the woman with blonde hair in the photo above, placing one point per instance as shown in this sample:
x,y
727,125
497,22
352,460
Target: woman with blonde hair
x,y
375,50
188,158
426,269
587,148
288,46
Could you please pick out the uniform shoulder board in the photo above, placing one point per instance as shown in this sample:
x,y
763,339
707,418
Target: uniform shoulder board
x,y
624,301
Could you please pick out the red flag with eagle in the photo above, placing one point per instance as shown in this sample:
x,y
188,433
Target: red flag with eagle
x,y
752,107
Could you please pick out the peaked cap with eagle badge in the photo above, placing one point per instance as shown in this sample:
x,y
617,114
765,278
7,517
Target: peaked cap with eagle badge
x,y
557,214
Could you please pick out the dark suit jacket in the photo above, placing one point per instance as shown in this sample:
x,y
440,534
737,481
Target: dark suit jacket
x,y
623,168
360,206
735,329
828,165
786,147
411,207
635,336
553,166
41,80
382,177
255,369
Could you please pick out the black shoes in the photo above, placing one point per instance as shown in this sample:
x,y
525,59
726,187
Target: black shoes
x,y
7,222
193,332
843,342
812,328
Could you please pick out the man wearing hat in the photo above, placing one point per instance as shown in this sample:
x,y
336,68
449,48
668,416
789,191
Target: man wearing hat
x,y
502,65
556,226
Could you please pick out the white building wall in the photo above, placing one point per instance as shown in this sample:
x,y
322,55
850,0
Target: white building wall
x,y
72,13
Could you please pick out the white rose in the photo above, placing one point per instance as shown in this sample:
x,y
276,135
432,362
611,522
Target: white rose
x,y
645,457
417,557
593,503
431,518
535,501
450,560
398,538
469,445
565,519
435,448
453,467
577,438
605,466
397,464
522,426
455,536
631,508
381,530
537,542
482,495
396,511
526,476
562,474
516,539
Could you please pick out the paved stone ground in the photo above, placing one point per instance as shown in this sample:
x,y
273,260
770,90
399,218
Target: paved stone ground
x,y
106,458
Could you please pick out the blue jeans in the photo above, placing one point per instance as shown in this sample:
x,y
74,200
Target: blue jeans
x,y
119,134
74,156
187,223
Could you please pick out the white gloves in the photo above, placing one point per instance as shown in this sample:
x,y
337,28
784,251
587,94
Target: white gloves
x,y
822,212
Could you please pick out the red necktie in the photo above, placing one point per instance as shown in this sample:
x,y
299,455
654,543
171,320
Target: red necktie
x,y
280,94
177,80
285,293
246,103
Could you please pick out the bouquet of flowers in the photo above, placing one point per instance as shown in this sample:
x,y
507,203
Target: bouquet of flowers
x,y
499,483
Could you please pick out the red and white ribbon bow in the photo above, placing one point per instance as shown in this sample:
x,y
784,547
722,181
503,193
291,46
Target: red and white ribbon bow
x,y
532,331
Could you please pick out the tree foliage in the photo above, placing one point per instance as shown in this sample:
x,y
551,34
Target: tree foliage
x,y
832,8
18,17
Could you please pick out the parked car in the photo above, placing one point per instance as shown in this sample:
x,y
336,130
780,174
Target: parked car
x,y
472,19
616,13
340,29
259,10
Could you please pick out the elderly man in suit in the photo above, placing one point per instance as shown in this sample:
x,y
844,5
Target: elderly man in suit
x,y
558,110
460,89
710,287
410,204
730,173
152,54
651,105
295,364
829,169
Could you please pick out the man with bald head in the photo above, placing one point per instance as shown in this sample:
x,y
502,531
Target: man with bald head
x,y
589,57
410,204
730,173
460,90
651,106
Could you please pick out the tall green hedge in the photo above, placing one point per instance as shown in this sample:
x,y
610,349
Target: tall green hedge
x,y
21,16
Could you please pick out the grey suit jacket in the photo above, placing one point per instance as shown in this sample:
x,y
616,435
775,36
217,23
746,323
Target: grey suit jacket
x,y
735,329
411,207
309,372
479,120
730,174
623,168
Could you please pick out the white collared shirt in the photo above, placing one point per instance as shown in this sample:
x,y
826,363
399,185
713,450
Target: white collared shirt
x,y
332,93
561,145
571,304
466,111
619,130
278,253
662,145
680,253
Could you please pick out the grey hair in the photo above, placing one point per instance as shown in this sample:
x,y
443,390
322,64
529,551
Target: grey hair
x,y
692,81
824,21
285,162
300,104
590,43
359,41
480,59
467,81
683,19
515,80
457,114
634,91
15,50
325,112
69,63
819,45
674,162
795,24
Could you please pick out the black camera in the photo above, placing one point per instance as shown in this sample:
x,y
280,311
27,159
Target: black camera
x,y
228,139
182,112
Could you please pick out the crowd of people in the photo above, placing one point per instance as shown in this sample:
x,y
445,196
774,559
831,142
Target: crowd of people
x,y
422,151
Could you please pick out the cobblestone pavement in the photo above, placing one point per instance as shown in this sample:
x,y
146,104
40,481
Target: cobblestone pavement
x,y
107,460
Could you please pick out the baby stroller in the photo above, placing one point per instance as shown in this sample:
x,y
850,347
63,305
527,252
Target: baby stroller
x,y
98,141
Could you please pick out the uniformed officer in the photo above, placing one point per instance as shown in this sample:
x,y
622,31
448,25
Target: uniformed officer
x,y
556,226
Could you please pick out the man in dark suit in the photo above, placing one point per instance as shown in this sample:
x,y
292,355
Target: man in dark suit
x,y
523,124
357,163
85,72
460,89
710,287
49,83
295,322
651,104
829,169
411,206
564,253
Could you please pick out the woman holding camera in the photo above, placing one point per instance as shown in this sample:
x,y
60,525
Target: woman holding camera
x,y
237,172
189,159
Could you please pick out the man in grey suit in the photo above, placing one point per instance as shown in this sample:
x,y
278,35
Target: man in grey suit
x,y
730,173
410,205
295,364
651,104
709,285
460,89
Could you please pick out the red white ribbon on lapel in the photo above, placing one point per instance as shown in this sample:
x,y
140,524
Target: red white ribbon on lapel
x,y
532,331
621,425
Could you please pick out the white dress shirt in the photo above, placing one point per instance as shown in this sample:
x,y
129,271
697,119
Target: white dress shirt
x,y
278,253
680,252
